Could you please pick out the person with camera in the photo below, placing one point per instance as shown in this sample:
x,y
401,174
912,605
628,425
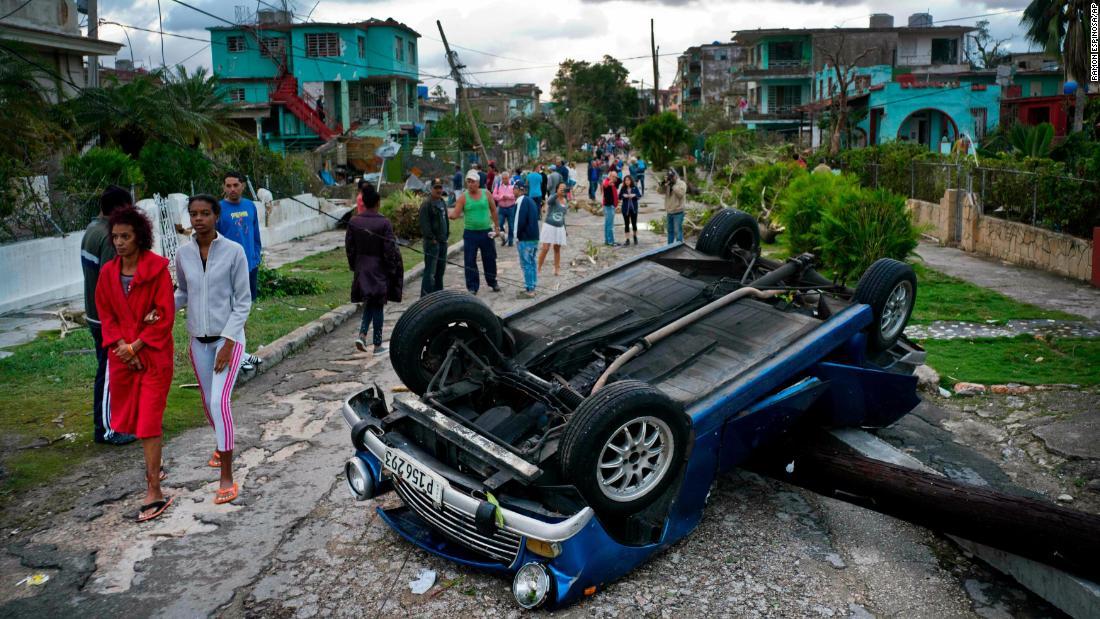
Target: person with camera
x,y
675,190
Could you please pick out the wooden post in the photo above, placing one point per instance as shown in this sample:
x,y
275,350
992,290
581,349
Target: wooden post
x,y
464,100
656,78
1064,538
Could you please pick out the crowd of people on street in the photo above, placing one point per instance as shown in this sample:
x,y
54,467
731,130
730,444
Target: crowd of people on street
x,y
131,301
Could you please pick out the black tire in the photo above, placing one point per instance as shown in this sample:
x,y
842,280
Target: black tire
x,y
729,228
427,329
890,288
598,423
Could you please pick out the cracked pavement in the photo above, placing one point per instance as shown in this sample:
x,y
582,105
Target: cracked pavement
x,y
296,545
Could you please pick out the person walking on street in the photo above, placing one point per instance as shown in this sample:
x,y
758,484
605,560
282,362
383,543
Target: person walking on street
x,y
239,222
564,171
553,228
456,185
628,199
675,190
505,200
491,177
527,238
371,247
610,193
480,212
481,176
137,312
534,186
553,179
96,250
212,272
593,178
435,228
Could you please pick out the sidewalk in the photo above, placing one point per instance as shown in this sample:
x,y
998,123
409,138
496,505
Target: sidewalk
x,y
1023,284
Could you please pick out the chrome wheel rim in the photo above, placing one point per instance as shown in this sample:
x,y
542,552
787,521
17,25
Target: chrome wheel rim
x,y
896,310
635,459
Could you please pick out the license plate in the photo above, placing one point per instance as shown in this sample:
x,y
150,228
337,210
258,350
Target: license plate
x,y
415,474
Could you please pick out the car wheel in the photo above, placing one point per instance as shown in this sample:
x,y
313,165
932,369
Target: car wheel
x,y
727,229
428,329
624,446
890,288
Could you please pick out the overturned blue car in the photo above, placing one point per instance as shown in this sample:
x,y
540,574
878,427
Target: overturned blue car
x,y
566,443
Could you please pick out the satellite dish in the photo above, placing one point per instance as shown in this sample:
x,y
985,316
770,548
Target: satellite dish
x,y
387,151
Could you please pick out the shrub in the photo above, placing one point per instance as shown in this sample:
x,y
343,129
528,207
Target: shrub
x,y
803,202
765,181
402,208
272,283
169,168
84,177
866,225
283,175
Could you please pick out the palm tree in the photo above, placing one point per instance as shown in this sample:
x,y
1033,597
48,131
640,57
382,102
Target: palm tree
x,y
200,114
1061,27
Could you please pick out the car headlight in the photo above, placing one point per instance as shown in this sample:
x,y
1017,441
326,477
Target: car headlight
x,y
360,481
531,585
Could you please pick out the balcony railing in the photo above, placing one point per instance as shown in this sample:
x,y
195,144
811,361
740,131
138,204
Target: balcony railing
x,y
388,116
787,63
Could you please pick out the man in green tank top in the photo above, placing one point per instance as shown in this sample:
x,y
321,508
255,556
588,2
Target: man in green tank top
x,y
480,226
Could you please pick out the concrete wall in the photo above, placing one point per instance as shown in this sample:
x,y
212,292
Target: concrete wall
x,y
48,270
40,271
1010,241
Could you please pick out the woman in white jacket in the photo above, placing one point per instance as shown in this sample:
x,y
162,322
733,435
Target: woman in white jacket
x,y
212,278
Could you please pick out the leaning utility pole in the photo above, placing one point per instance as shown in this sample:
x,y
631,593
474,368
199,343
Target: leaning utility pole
x,y
464,101
656,80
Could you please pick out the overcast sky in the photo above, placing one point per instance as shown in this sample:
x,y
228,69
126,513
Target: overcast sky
x,y
524,42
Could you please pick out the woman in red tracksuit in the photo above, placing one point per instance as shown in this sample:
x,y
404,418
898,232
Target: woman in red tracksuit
x,y
136,306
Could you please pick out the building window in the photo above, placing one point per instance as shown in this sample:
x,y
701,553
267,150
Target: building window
x,y
412,52
322,44
235,44
272,47
398,49
362,41
945,51
979,115
863,82
236,95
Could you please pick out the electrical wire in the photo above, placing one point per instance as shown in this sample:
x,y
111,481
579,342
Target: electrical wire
x,y
15,10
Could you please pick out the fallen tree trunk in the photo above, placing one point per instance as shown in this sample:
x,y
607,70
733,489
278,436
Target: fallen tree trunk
x,y
1063,538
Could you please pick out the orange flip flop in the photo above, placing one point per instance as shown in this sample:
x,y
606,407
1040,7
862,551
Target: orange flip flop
x,y
158,506
225,495
215,461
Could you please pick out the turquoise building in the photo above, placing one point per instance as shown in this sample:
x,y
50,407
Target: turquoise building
x,y
303,83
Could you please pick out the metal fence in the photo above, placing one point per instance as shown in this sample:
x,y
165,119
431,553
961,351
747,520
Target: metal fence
x,y
1060,203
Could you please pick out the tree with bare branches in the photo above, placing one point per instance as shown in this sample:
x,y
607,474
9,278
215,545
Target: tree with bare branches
x,y
838,56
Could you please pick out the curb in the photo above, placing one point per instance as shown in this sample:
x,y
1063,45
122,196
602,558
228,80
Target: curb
x,y
277,351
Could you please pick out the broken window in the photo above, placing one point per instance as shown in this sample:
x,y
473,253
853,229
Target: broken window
x,y
945,51
236,94
322,44
235,44
979,115
398,49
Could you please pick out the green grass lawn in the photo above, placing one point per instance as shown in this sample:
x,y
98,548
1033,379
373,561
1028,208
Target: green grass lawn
x,y
1025,359
47,383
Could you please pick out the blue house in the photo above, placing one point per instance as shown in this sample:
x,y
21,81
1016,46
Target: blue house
x,y
304,83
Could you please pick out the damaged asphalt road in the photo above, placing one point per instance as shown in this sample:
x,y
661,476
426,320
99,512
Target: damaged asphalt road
x,y
296,545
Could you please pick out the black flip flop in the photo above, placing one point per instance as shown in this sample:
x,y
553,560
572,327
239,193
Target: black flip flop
x,y
159,506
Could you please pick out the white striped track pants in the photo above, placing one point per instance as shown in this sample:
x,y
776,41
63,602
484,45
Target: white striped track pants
x,y
217,387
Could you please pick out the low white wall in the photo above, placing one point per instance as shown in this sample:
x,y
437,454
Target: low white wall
x,y
40,271
48,270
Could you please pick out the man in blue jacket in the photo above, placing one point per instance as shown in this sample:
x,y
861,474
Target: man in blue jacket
x,y
239,222
527,237
593,178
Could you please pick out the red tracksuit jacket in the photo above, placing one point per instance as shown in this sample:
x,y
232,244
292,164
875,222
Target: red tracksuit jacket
x,y
137,399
